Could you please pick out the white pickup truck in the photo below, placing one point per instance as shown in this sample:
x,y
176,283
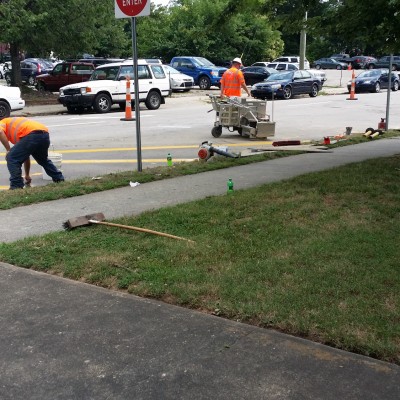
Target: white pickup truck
x,y
107,86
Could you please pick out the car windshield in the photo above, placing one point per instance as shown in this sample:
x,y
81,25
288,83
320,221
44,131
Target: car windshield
x,y
369,74
202,62
283,76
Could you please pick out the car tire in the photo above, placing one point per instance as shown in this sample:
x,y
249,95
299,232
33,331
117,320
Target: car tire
x,y
377,88
216,131
287,93
204,83
31,81
314,91
338,67
40,86
318,66
394,67
395,87
153,100
102,103
5,109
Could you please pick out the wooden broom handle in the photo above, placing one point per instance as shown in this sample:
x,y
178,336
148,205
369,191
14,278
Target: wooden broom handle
x,y
135,228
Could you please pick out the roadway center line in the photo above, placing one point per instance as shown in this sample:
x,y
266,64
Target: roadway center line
x,y
176,147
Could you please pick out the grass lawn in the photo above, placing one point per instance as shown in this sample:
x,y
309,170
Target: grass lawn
x,y
316,256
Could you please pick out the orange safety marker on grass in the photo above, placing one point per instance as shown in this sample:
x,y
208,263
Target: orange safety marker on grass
x,y
128,102
353,87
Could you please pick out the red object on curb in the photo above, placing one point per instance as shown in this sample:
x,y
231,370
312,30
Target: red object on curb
x,y
382,124
327,140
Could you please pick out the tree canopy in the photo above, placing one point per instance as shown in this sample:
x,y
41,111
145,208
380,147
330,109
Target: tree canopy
x,y
256,30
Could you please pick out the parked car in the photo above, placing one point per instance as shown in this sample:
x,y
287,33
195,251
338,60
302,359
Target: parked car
x,y
294,60
107,86
374,80
4,67
64,74
100,61
203,71
329,63
384,62
287,84
260,64
256,74
30,68
10,100
178,81
342,57
318,73
362,62
283,66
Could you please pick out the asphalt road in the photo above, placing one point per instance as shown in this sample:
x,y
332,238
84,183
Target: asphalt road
x,y
92,144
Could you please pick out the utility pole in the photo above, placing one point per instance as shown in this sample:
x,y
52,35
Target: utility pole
x,y
303,39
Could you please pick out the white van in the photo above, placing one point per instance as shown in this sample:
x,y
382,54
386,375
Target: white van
x,y
293,60
107,86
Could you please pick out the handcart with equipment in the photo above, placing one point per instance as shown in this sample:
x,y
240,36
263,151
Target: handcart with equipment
x,y
246,116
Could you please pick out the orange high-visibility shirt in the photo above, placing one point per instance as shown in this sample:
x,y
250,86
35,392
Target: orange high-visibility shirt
x,y
18,127
232,81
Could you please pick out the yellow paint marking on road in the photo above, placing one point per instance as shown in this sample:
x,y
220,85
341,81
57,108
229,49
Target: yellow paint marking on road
x,y
245,144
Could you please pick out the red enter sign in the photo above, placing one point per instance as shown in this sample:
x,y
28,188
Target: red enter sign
x,y
131,8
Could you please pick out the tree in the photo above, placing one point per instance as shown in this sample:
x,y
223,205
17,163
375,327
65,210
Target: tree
x,y
69,28
214,29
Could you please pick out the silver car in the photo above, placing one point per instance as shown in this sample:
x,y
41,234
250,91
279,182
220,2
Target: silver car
x,y
178,81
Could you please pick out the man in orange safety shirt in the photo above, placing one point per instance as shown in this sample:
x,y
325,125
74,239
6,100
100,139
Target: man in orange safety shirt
x,y
232,81
29,138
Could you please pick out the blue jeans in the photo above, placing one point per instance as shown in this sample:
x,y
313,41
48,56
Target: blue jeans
x,y
36,144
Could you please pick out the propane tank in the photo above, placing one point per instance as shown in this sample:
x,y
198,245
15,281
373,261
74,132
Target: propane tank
x,y
382,124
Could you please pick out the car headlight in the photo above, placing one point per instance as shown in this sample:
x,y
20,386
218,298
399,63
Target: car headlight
x,y
368,82
61,92
86,89
214,73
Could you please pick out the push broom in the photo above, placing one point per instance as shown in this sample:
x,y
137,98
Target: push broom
x,y
98,219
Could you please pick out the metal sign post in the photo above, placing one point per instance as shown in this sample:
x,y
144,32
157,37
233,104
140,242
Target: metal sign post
x,y
136,86
388,93
133,9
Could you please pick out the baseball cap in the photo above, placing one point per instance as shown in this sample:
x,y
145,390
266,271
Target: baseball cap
x,y
237,60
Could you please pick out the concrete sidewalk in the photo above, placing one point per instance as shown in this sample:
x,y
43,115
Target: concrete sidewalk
x,y
61,339
64,340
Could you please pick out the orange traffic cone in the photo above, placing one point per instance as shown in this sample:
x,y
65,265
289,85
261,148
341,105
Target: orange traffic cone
x,y
353,87
128,102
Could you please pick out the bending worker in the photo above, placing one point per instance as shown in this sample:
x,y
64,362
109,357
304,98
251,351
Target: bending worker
x,y
232,81
29,138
